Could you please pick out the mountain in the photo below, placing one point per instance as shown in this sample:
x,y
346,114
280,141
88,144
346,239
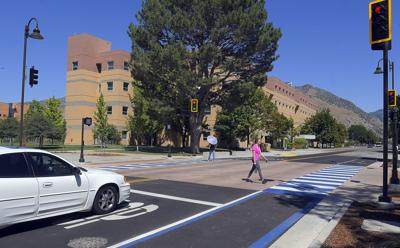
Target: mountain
x,y
378,114
343,110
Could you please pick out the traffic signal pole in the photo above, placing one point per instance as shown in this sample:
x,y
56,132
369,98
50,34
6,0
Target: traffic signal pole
x,y
394,178
384,197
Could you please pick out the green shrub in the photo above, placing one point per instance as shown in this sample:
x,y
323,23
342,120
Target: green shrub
x,y
299,143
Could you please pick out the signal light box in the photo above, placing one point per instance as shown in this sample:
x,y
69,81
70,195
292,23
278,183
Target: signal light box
x,y
380,21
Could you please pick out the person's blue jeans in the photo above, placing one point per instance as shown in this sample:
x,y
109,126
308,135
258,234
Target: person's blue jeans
x,y
211,153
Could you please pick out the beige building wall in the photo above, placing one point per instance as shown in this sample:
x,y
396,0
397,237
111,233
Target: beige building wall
x,y
92,68
4,110
289,101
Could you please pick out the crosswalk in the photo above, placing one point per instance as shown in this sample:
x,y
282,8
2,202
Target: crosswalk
x,y
153,165
318,183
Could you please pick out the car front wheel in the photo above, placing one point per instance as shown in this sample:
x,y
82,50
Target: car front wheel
x,y
106,200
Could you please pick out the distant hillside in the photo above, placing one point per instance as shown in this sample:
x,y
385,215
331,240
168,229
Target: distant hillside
x,y
343,110
378,114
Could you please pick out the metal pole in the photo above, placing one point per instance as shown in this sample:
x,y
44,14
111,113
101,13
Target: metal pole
x,y
21,123
81,158
384,197
394,178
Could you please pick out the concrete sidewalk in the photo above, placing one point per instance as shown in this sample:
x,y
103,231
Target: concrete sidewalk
x,y
93,158
314,228
103,158
273,153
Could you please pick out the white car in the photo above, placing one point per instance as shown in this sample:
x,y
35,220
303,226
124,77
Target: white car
x,y
36,184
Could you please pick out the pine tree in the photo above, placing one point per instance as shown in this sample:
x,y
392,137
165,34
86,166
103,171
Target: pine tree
x,y
101,125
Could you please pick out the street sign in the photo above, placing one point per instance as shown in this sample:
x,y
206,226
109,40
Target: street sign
x,y
380,22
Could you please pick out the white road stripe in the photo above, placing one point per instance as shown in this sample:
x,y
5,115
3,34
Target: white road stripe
x,y
336,173
325,179
337,170
314,185
325,176
176,198
315,181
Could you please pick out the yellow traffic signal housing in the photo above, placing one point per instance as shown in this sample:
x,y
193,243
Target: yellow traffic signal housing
x,y
194,105
380,21
392,98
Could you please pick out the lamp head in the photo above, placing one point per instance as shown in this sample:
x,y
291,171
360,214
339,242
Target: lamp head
x,y
36,34
378,70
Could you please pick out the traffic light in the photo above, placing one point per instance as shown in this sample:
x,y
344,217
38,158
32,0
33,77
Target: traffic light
x,y
380,21
392,98
33,76
194,105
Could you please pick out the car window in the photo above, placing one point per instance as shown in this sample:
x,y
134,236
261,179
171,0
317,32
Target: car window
x,y
13,165
45,165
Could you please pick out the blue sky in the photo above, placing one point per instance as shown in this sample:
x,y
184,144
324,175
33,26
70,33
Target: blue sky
x,y
324,43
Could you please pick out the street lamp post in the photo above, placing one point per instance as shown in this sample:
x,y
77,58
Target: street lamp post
x,y
85,121
169,142
394,178
34,35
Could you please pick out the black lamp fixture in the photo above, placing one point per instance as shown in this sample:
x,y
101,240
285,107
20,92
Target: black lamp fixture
x,y
36,33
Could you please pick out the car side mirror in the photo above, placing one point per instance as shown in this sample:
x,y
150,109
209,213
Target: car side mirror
x,y
76,171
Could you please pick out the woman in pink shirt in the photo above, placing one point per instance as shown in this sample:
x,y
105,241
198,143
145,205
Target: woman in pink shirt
x,y
256,155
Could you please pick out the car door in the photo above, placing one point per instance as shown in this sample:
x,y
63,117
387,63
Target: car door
x,y
60,189
18,189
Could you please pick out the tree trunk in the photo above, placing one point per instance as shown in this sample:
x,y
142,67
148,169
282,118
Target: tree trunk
x,y
195,122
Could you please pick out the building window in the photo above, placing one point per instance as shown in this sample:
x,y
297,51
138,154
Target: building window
x,y
126,66
125,110
110,86
98,66
109,110
110,65
126,86
75,65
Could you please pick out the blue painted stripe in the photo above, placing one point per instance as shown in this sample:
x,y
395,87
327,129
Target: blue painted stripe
x,y
300,186
190,221
302,194
316,183
307,183
328,183
272,235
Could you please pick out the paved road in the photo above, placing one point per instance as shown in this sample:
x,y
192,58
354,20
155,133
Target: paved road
x,y
198,205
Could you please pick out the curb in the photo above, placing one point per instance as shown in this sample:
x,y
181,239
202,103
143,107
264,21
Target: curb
x,y
326,231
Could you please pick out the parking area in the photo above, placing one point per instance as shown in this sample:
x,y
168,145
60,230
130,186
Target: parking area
x,y
163,213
